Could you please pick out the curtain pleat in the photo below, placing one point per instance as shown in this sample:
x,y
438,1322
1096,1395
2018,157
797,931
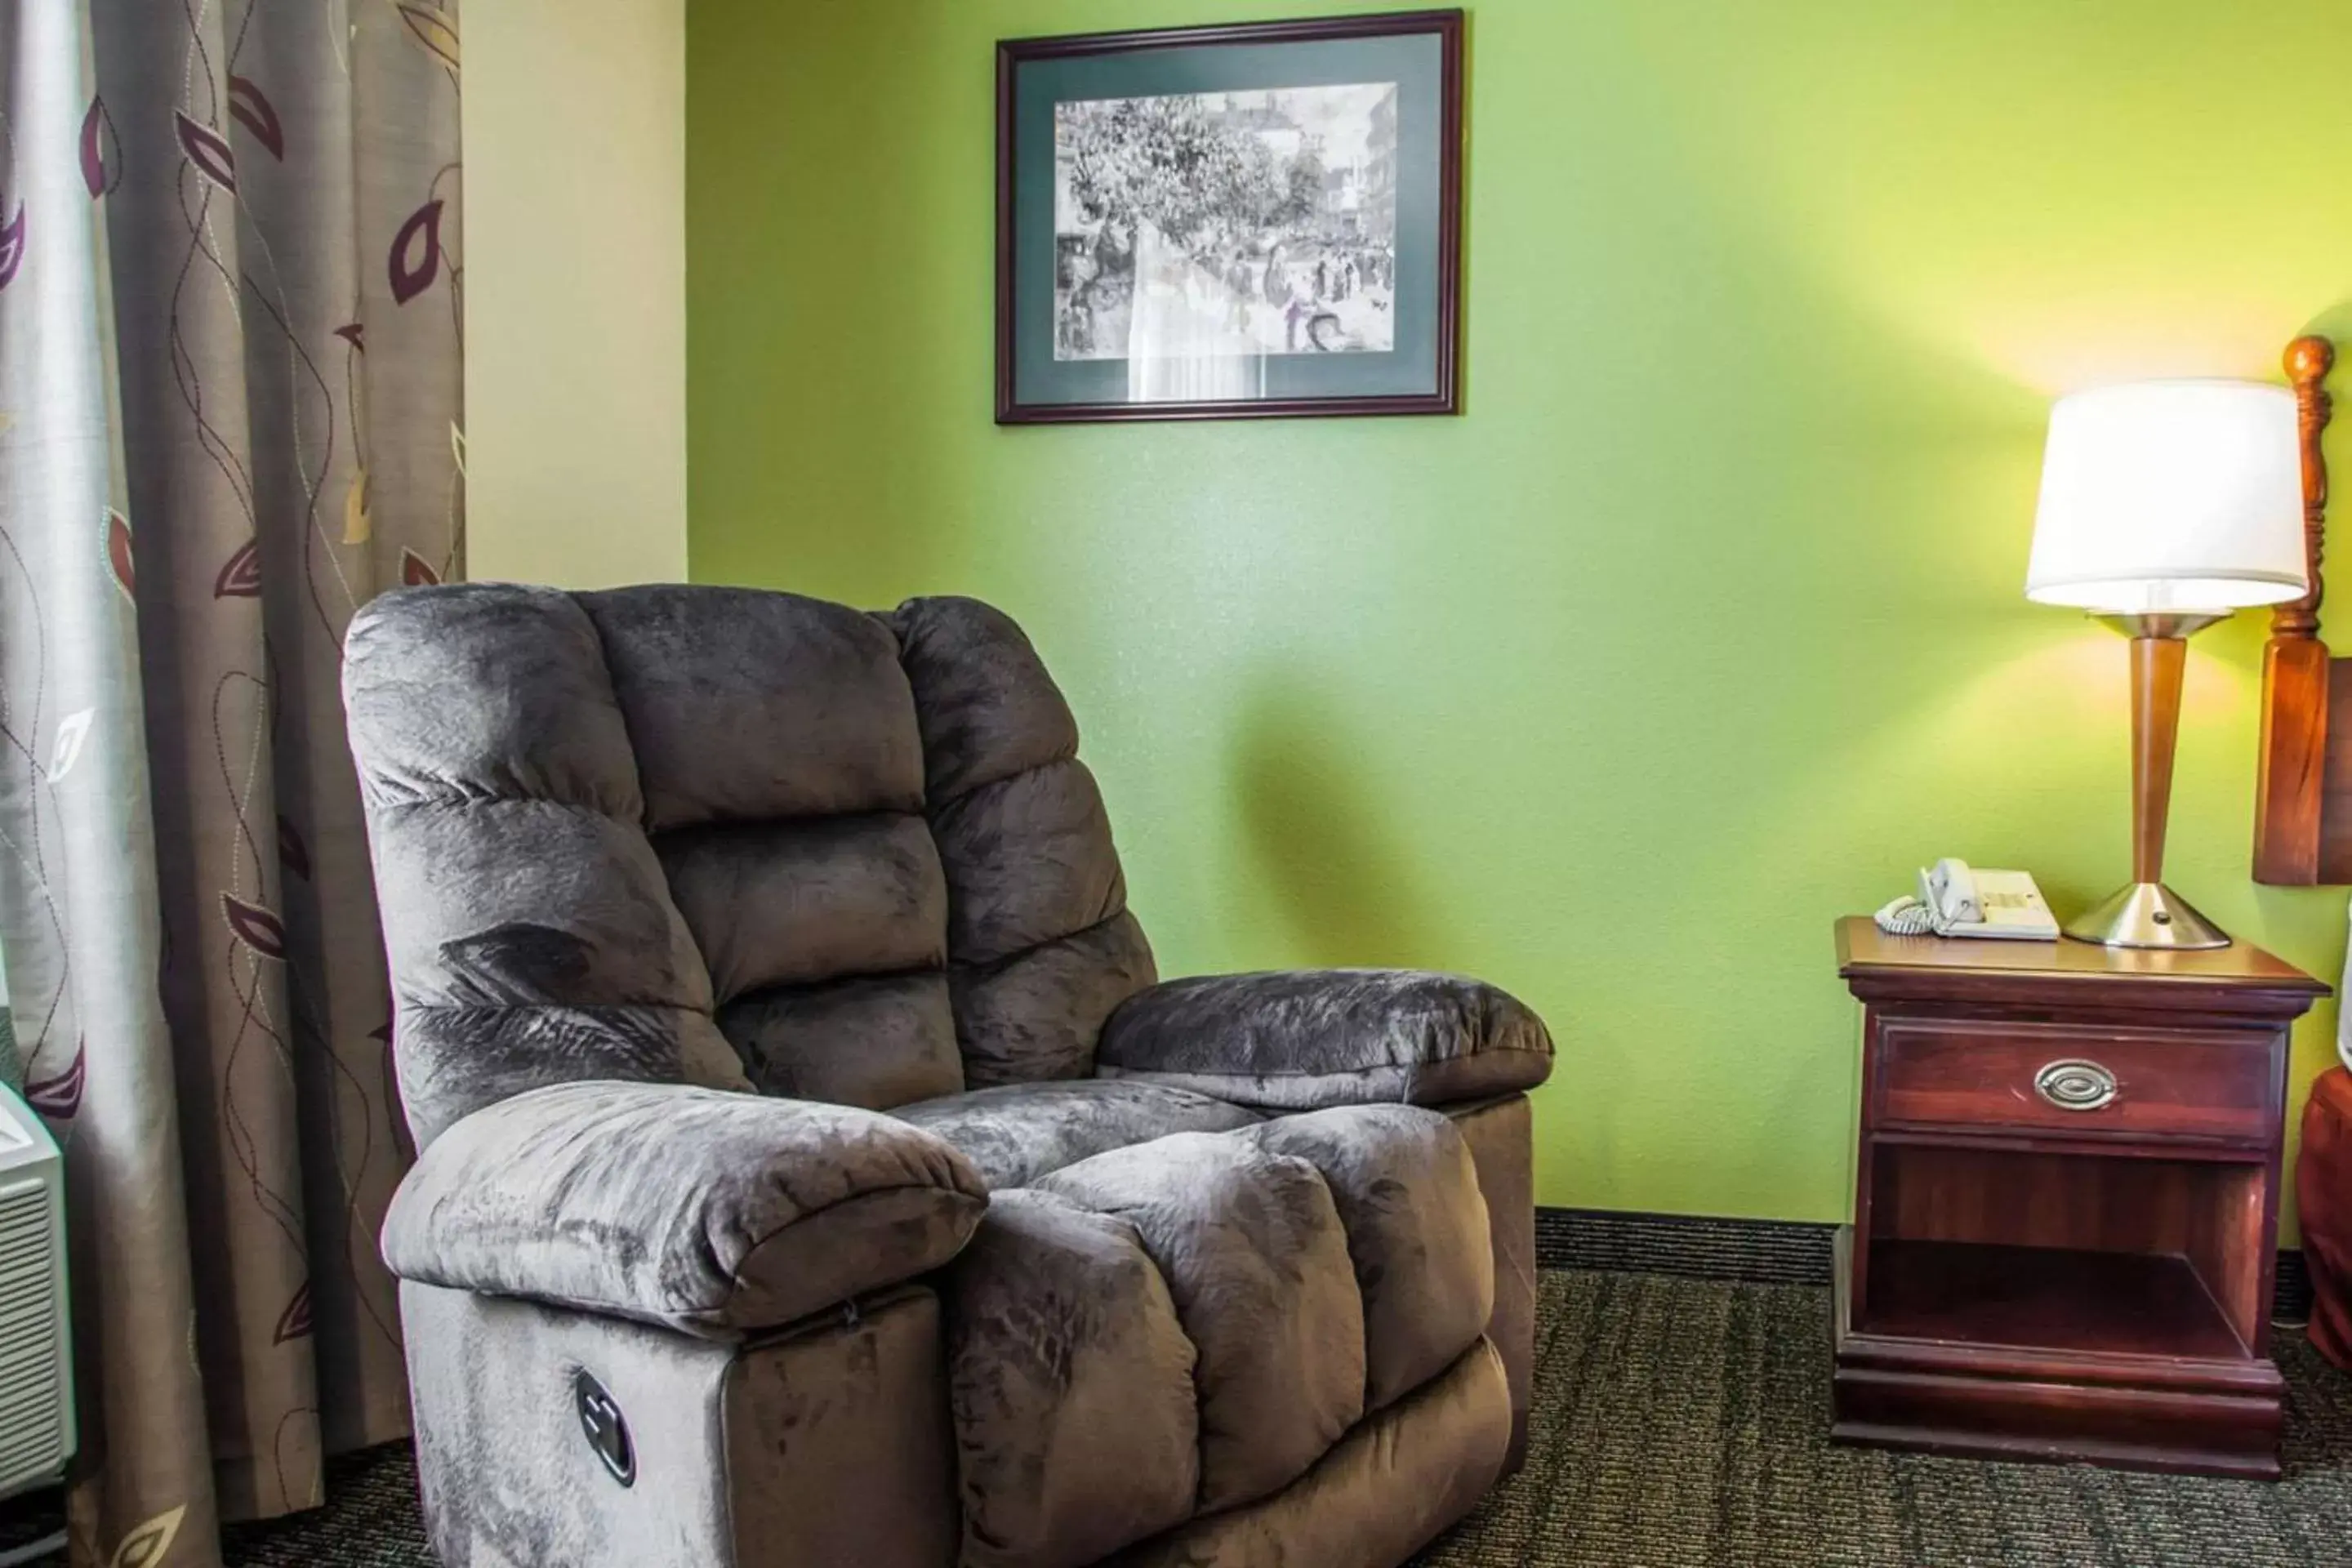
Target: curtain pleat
x,y
229,414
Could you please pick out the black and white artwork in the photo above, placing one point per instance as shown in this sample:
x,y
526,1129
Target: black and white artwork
x,y
1240,224
1245,220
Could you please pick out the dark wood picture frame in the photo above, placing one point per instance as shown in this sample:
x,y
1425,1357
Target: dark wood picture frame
x,y
2303,788
1444,397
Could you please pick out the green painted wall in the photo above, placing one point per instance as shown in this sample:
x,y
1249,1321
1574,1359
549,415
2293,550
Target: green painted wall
x,y
1701,627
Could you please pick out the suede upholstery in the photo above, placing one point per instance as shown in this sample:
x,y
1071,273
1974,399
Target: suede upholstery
x,y
1071,1383
1257,1262
815,1417
1293,1041
1499,1134
505,1478
705,1211
747,1453
1381,1493
1407,1195
1192,1324
1041,944
1018,1132
762,968
530,933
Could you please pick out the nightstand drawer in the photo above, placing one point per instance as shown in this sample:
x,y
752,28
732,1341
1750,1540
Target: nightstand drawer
x,y
1962,1074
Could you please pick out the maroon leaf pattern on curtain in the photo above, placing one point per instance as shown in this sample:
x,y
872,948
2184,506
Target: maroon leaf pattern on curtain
x,y
294,1322
12,246
118,553
250,108
415,258
293,853
240,574
60,1098
255,926
207,152
98,172
415,572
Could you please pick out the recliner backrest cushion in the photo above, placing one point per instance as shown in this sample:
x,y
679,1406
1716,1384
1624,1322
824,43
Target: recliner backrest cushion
x,y
783,783
529,926
861,845
1040,941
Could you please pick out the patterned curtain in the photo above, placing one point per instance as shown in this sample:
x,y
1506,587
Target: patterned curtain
x,y
229,403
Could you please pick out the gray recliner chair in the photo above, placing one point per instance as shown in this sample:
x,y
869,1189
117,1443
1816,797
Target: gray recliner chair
x,y
811,1172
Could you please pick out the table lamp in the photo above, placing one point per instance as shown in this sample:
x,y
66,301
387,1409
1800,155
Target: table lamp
x,y
2166,506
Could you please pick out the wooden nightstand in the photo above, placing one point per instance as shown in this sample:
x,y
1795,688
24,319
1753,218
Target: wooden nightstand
x,y
2065,1206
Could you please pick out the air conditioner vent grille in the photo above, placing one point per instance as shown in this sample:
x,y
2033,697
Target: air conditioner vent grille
x,y
35,1415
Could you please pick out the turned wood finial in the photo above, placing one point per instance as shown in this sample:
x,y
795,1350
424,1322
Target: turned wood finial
x,y
2308,360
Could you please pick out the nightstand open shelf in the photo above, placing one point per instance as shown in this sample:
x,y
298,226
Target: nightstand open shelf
x,y
2139,1249
2065,1202
2047,1298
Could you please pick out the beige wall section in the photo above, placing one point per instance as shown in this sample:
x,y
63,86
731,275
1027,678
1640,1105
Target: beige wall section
x,y
575,290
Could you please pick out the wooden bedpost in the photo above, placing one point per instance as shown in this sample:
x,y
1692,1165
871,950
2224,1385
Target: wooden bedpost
x,y
2290,786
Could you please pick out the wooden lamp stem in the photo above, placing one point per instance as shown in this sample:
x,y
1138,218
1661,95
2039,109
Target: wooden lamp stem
x,y
2156,668
2144,912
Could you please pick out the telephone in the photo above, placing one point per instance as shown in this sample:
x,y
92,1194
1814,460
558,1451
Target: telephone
x,y
1955,901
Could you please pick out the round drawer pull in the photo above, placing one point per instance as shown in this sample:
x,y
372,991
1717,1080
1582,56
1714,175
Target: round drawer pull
x,y
2074,1085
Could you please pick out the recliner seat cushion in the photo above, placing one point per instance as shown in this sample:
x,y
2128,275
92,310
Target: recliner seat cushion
x,y
1017,1132
1387,1490
1408,1197
1252,1294
1071,1380
1256,1261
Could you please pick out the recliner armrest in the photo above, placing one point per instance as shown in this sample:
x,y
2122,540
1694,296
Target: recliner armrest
x,y
710,1211
1301,1040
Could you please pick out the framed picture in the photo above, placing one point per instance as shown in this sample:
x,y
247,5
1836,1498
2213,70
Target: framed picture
x,y
1230,222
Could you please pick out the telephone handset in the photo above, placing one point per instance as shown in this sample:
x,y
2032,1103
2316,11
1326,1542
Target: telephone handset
x,y
1955,901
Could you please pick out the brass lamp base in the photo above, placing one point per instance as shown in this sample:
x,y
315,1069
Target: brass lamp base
x,y
2146,914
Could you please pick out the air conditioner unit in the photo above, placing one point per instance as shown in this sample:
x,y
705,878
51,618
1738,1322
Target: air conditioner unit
x,y
36,1415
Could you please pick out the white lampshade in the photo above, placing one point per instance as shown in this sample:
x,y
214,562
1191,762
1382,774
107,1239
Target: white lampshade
x,y
2171,495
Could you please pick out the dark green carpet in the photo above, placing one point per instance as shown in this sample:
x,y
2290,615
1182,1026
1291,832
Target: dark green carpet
x,y
1681,1422
1685,1422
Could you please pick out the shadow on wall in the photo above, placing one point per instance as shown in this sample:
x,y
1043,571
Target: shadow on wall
x,y
1341,878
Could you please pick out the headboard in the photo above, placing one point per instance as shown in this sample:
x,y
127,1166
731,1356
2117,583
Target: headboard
x,y
2302,791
